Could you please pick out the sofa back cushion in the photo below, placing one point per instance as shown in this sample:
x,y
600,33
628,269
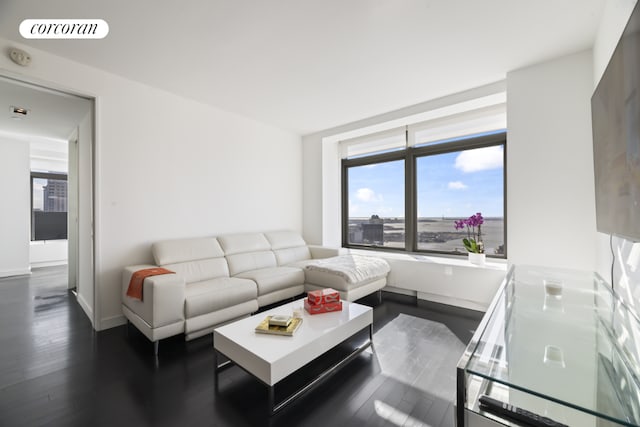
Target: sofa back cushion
x,y
195,259
247,251
288,246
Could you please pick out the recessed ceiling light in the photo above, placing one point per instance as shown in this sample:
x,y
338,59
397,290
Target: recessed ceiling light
x,y
19,110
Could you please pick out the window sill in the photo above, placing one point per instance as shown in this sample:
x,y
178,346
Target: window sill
x,y
461,261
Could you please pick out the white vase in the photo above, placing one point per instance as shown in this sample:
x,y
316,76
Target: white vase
x,y
477,259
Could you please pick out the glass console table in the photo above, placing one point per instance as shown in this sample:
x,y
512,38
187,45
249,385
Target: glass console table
x,y
558,343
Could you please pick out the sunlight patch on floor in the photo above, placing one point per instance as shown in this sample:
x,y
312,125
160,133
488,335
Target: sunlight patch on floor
x,y
420,353
395,416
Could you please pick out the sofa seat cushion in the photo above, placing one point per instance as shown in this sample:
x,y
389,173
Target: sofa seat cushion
x,y
217,294
274,279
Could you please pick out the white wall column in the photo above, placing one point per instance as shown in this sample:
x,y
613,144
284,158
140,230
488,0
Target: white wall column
x,y
550,191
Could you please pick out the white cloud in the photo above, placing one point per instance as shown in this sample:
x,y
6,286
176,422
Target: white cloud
x,y
480,159
368,195
457,185
353,208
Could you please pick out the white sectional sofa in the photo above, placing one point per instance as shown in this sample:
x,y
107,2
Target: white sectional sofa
x,y
251,256
220,279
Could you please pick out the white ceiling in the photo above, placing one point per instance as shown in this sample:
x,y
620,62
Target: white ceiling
x,y
308,65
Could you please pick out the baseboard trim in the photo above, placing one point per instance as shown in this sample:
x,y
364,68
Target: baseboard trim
x,y
18,272
471,305
87,308
112,322
48,263
400,291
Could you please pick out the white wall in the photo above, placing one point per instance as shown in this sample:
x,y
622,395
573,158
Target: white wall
x,y
47,253
171,167
627,253
550,189
312,189
14,215
447,281
49,155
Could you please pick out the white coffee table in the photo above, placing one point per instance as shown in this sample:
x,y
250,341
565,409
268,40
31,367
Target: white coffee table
x,y
271,358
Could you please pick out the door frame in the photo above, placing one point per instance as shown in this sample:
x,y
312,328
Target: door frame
x,y
89,161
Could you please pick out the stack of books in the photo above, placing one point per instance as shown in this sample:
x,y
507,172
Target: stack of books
x,y
279,324
323,301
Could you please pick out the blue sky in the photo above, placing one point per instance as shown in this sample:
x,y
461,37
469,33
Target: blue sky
x,y
454,185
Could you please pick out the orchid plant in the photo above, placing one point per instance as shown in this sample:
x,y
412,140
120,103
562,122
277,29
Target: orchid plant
x,y
473,241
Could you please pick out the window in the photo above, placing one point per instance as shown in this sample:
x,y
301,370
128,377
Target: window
x,y
49,204
408,199
375,204
454,185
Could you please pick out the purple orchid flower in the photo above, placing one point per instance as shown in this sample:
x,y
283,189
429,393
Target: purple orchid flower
x,y
473,241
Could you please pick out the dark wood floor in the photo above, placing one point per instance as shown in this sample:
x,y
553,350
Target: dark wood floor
x,y
55,371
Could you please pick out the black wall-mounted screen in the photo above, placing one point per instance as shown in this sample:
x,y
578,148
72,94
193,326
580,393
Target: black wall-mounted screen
x,y
615,110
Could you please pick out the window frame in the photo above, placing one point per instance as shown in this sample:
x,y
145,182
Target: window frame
x,y
45,175
364,161
410,156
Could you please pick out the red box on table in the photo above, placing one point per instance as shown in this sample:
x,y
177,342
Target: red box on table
x,y
323,296
322,308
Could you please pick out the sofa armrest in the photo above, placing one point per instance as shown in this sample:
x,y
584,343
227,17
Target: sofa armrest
x,y
162,297
326,252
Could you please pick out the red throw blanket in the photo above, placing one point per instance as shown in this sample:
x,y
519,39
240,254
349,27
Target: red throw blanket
x,y
137,278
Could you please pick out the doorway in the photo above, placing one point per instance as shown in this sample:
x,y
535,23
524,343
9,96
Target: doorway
x,y
47,141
